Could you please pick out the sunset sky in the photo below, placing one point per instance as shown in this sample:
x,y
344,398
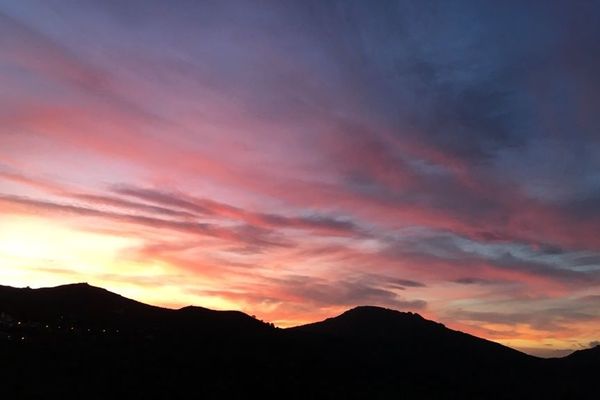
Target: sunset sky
x,y
295,159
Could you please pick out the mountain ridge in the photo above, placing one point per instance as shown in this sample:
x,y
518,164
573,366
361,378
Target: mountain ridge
x,y
365,315
90,336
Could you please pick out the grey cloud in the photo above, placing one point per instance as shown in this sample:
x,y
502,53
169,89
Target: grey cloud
x,y
347,292
122,203
407,283
478,281
549,319
460,253
217,209
164,198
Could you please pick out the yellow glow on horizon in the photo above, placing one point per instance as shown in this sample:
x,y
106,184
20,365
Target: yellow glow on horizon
x,y
38,252
545,346
541,342
27,240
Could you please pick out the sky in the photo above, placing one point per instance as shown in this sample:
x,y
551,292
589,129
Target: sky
x,y
293,159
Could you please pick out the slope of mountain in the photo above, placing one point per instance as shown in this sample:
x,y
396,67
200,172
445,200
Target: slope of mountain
x,y
79,301
586,356
409,333
78,341
86,306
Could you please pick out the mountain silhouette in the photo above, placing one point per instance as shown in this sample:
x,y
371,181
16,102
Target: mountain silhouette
x,y
81,304
410,333
78,302
590,355
80,341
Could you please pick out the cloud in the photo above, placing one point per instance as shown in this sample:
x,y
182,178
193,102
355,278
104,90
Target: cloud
x,y
408,283
547,319
243,234
169,199
451,257
529,317
477,281
371,290
315,222
12,174
131,205
321,294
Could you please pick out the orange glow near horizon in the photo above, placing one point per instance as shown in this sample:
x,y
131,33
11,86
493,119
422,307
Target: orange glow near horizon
x,y
38,252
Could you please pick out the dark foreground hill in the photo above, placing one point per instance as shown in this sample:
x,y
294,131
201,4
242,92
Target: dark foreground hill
x,y
78,341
